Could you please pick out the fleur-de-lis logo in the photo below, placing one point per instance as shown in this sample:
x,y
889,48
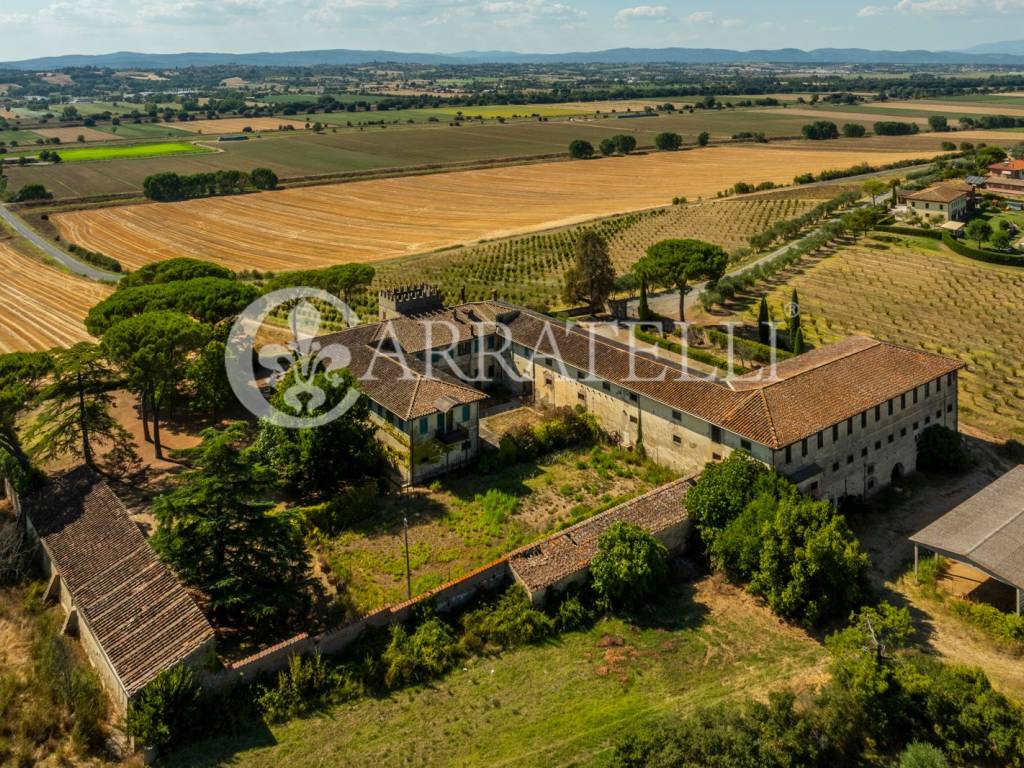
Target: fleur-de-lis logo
x,y
306,356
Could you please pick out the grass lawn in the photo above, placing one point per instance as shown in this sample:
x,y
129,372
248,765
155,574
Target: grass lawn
x,y
467,520
562,703
142,130
162,149
914,292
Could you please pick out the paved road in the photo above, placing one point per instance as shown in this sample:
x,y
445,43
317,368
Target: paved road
x,y
57,254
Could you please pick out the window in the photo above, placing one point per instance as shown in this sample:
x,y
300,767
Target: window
x,y
949,379
878,413
716,434
863,452
927,388
467,445
465,413
789,454
903,401
949,408
633,397
579,374
581,397
803,447
903,432
424,425
938,385
490,342
871,483
632,420
890,407
440,422
821,439
871,469
938,414
606,386
891,438
849,426
915,426
677,415
814,486
849,459
863,419
915,395
927,419
835,433
835,466
677,439
716,457
745,445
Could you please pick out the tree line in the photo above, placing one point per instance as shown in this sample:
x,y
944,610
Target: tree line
x,y
168,186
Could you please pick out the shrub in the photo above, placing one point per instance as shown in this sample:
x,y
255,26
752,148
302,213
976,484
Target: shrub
x,y
563,429
32,192
95,258
820,130
941,450
919,754
629,565
509,622
307,683
428,652
167,712
668,141
853,130
350,506
722,492
624,143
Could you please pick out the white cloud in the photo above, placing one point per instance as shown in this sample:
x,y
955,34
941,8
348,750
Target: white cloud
x,y
657,13
201,12
959,6
733,23
504,13
871,10
701,17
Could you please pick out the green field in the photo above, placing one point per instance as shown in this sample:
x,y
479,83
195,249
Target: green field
x,y
22,137
106,153
562,703
142,130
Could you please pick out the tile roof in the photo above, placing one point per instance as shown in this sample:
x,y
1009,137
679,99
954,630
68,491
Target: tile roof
x,y
566,553
142,617
940,193
987,530
1007,165
400,383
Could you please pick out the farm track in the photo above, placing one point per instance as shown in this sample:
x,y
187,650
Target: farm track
x,y
371,221
42,307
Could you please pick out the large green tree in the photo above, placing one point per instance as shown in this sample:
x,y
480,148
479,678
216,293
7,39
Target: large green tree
x,y
592,276
220,534
154,350
675,263
75,411
21,376
979,231
629,565
316,462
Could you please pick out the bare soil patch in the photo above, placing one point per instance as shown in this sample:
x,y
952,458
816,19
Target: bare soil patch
x,y
238,124
70,135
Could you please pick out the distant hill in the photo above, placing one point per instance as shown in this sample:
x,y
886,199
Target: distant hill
x,y
1011,53
1010,47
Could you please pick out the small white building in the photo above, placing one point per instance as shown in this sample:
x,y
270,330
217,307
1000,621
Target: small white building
x,y
950,199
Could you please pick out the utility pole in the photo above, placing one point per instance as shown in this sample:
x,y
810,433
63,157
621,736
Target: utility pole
x,y
408,572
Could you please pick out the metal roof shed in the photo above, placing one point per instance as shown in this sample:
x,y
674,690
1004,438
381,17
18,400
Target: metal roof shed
x,y
986,532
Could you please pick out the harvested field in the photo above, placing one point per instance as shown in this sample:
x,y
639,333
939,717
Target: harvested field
x,y
374,220
238,124
840,117
41,307
957,108
70,135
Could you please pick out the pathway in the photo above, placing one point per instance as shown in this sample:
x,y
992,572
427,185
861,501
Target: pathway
x,y
57,254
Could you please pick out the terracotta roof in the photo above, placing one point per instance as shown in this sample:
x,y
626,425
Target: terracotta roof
x,y
566,553
397,381
986,531
142,617
945,192
1004,181
1007,165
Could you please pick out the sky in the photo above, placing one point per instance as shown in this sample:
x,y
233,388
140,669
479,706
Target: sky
x,y
30,28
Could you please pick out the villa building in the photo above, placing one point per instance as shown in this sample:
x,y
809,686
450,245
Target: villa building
x,y
840,420
949,199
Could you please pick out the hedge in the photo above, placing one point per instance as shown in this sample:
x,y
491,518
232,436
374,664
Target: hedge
x,y
692,353
934,234
748,348
973,253
96,258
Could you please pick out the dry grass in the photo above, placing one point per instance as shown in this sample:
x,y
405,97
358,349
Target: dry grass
x,y
238,124
915,292
40,306
70,135
956,108
375,220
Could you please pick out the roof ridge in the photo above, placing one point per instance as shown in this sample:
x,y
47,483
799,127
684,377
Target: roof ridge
x,y
829,361
415,394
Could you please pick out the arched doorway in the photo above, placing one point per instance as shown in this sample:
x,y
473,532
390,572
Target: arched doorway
x,y
897,473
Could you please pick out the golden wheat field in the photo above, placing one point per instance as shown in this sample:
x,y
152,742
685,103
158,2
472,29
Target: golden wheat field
x,y
238,124
373,220
42,307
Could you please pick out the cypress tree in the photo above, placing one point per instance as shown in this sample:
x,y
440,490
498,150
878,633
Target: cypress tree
x,y
797,341
644,309
794,315
764,331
